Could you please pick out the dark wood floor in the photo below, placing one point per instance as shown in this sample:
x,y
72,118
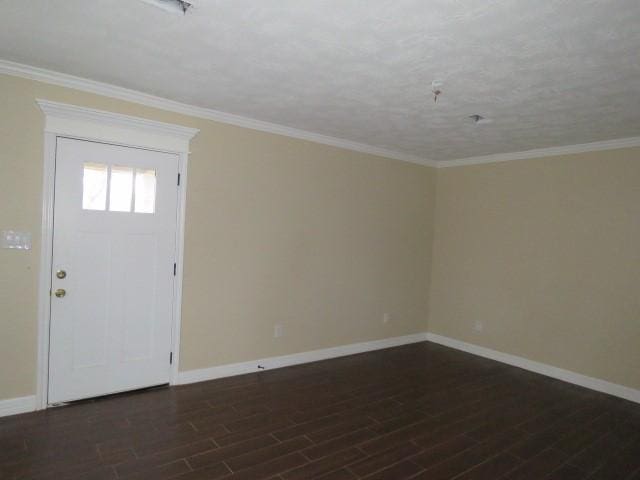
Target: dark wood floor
x,y
420,411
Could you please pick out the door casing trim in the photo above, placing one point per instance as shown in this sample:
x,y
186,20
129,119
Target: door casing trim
x,y
71,121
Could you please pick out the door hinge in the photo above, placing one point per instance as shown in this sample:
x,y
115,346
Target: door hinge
x,y
178,179
170,358
175,266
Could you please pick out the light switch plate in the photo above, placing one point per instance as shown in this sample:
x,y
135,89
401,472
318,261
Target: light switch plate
x,y
14,239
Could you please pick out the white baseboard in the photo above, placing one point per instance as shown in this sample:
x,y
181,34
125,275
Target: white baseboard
x,y
13,406
592,383
229,370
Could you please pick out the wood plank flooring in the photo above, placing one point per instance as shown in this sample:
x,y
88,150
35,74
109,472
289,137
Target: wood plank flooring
x,y
421,411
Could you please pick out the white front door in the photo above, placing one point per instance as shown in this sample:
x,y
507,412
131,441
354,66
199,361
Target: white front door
x,y
114,243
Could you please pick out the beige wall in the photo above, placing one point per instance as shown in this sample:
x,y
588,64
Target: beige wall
x,y
546,253
320,239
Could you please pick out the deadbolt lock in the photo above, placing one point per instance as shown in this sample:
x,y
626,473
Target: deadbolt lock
x,y
61,292
61,274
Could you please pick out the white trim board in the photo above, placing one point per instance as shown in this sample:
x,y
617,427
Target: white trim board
x,y
543,152
112,91
72,120
14,406
229,370
591,383
70,81
96,125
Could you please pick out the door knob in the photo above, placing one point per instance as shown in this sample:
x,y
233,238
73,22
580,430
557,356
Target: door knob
x,y
61,274
61,292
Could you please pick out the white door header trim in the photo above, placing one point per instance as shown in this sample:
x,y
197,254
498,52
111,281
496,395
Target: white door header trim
x,y
71,120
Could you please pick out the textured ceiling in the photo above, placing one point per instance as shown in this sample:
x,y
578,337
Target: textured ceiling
x,y
547,72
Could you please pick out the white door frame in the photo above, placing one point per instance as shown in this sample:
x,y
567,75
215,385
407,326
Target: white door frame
x,y
70,121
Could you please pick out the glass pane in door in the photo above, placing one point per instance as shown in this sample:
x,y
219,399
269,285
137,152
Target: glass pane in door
x,y
145,193
121,189
94,186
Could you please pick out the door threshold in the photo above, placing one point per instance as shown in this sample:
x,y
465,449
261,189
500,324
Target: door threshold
x,y
83,401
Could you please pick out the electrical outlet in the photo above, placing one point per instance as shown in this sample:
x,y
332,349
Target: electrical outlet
x,y
386,318
278,330
478,326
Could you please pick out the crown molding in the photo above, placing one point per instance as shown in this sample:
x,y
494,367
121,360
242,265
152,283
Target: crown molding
x,y
134,96
543,152
120,93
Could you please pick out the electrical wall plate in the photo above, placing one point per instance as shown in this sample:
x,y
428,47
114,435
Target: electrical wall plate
x,y
15,240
